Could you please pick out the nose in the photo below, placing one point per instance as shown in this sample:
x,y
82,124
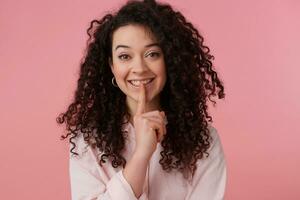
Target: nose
x,y
139,65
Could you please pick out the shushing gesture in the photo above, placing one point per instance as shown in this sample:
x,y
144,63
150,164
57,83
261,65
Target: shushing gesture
x,y
150,127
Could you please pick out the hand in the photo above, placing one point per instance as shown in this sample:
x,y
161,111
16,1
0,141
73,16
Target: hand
x,y
149,126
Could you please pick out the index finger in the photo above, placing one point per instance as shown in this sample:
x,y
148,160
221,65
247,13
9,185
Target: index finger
x,y
141,106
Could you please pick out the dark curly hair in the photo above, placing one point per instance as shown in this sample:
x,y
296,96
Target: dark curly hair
x,y
98,108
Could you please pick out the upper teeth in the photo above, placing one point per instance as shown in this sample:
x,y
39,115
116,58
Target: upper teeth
x,y
138,82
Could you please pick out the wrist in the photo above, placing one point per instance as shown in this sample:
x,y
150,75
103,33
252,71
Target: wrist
x,y
142,155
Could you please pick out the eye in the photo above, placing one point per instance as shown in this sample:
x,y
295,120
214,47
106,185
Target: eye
x,y
154,54
123,57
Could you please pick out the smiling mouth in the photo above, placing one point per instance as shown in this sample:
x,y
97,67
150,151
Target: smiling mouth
x,y
137,83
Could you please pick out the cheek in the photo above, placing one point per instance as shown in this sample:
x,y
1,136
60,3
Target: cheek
x,y
120,73
161,72
161,75
164,75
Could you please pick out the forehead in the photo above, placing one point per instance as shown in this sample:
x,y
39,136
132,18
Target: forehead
x,y
133,36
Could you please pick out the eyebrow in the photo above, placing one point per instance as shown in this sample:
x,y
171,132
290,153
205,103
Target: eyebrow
x,y
125,46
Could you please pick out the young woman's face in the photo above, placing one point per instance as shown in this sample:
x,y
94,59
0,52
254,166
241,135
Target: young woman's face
x,y
137,58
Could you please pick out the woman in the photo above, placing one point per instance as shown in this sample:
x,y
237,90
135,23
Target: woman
x,y
138,126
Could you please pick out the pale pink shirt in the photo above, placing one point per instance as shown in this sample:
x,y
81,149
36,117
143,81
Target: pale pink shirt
x,y
90,181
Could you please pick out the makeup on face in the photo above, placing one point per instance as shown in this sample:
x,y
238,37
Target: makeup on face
x,y
137,59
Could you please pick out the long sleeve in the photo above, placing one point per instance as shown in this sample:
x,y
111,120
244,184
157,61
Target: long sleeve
x,y
89,181
211,174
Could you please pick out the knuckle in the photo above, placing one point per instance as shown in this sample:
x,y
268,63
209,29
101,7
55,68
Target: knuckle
x,y
144,120
136,116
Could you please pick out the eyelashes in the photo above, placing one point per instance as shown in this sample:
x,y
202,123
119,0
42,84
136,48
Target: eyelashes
x,y
151,55
154,54
123,57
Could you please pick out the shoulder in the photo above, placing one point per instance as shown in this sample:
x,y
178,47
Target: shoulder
x,y
79,145
215,150
210,176
215,140
215,160
86,157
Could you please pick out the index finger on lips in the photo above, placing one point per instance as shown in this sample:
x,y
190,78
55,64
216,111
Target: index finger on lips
x,y
141,105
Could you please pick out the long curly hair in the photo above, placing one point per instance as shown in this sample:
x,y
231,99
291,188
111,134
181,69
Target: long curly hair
x,y
98,108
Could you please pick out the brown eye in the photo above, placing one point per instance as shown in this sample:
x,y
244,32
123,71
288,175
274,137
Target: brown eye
x,y
154,54
123,57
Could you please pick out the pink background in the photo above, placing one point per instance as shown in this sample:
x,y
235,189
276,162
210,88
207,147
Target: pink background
x,y
256,45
